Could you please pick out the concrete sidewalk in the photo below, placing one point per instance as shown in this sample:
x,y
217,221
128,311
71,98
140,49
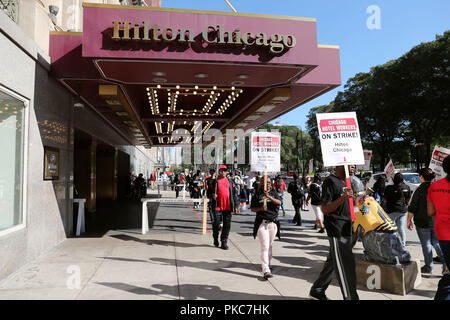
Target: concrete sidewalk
x,y
175,263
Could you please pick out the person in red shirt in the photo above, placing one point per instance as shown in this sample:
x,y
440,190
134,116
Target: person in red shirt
x,y
438,206
153,179
280,187
226,199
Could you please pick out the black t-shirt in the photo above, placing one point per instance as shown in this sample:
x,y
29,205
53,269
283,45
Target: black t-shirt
x,y
418,207
211,184
258,201
195,184
339,222
397,198
316,194
297,190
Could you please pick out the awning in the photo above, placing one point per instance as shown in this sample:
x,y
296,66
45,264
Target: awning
x,y
149,71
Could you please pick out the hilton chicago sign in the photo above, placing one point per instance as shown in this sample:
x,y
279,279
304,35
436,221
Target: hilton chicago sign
x,y
127,31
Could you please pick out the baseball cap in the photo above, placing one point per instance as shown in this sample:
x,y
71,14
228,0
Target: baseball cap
x,y
223,167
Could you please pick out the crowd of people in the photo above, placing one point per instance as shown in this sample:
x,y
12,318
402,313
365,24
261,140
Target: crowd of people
x,y
428,209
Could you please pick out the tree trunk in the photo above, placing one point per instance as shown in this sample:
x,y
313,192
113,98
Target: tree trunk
x,y
428,150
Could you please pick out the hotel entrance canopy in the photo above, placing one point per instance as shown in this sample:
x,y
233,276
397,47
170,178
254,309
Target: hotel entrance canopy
x,y
149,71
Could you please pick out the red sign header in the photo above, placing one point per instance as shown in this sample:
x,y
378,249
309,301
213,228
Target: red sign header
x,y
439,155
270,142
338,125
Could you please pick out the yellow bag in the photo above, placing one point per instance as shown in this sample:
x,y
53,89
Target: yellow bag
x,y
370,216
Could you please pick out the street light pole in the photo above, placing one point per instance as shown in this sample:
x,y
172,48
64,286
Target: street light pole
x,y
297,155
303,154
300,151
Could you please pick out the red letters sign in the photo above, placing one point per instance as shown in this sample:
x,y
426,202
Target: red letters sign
x,y
338,125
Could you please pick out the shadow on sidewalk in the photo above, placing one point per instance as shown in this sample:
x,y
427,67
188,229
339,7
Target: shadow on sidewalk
x,y
253,270
193,292
152,242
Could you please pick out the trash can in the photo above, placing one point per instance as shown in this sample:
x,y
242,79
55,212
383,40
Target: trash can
x,y
165,185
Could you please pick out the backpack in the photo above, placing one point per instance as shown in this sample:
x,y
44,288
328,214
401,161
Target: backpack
x,y
319,193
298,189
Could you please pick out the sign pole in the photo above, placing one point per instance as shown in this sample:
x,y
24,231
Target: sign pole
x,y
265,187
349,185
205,209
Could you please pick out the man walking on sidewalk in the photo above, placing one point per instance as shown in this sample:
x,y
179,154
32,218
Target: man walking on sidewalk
x,y
226,199
338,223
297,191
210,184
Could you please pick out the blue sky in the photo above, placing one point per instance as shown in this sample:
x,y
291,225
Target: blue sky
x,y
404,24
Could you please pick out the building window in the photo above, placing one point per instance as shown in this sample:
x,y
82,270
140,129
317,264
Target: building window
x,y
12,140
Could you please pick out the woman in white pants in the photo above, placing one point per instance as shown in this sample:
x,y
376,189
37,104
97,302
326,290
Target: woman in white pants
x,y
266,225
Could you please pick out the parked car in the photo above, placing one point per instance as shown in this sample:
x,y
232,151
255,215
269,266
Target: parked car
x,y
411,179
374,179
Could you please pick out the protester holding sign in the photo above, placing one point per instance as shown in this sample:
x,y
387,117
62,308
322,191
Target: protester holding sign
x,y
341,146
338,223
266,225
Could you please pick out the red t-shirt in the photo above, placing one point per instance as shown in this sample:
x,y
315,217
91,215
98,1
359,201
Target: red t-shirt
x,y
283,186
439,194
223,195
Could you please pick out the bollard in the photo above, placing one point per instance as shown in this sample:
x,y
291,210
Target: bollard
x,y
145,227
80,217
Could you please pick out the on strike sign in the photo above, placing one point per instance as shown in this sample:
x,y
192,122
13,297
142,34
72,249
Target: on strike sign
x,y
265,151
340,140
438,156
389,170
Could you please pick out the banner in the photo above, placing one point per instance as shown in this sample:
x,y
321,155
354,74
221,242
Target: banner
x,y
438,156
265,151
340,139
367,158
389,170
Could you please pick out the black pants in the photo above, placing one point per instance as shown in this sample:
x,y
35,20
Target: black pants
x,y
225,218
297,217
341,261
211,209
196,195
443,291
